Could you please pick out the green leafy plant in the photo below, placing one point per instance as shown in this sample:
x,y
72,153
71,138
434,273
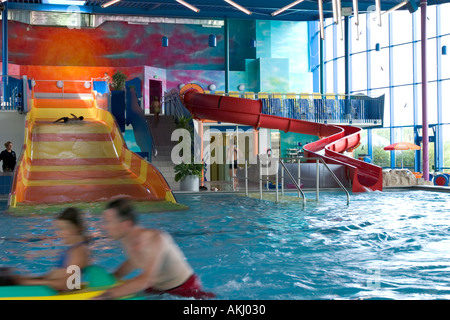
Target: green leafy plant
x,y
184,122
183,170
118,81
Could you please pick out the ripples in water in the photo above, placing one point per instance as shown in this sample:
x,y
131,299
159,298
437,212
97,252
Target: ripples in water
x,y
384,245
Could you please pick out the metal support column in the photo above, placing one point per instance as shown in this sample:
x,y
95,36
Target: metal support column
x,y
425,143
438,136
5,51
227,53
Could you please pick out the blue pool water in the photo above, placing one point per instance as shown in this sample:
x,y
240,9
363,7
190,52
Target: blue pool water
x,y
384,245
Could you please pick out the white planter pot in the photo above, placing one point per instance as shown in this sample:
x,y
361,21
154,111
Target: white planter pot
x,y
190,183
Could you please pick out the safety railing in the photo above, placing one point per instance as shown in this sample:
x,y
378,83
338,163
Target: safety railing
x,y
11,93
61,89
173,105
322,108
263,169
297,185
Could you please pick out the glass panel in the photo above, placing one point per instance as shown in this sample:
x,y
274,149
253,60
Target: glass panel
x,y
380,68
431,60
430,158
401,26
404,158
329,75
445,13
403,64
329,55
446,101
362,151
431,103
377,93
403,106
341,75
418,60
446,134
378,34
431,21
340,42
381,139
360,33
445,59
359,71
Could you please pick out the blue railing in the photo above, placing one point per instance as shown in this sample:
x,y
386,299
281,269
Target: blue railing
x,y
103,94
173,105
11,92
361,110
136,117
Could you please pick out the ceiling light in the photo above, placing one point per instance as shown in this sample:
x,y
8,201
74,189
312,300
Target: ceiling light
x,y
378,10
335,12
62,2
109,3
234,4
190,6
322,33
356,15
286,7
401,4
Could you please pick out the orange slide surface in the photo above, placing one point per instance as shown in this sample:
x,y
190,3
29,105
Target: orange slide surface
x,y
80,161
334,139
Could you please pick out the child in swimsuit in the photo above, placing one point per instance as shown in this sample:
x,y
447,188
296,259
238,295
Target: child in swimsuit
x,y
67,119
70,230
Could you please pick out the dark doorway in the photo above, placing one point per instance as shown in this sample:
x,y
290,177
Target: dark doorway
x,y
154,91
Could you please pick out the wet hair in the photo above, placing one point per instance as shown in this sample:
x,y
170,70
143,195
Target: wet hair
x,y
7,144
73,216
124,208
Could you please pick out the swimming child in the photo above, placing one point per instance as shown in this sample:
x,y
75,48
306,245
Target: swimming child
x,y
70,230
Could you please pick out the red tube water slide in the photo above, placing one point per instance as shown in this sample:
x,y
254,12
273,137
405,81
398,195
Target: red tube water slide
x,y
334,140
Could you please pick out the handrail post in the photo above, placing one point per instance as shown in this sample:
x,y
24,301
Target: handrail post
x,y
337,180
232,170
317,180
298,172
276,185
260,179
246,178
293,181
282,182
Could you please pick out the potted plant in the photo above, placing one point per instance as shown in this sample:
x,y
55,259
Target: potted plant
x,y
118,81
189,175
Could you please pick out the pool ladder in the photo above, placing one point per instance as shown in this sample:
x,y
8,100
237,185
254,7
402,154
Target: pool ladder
x,y
296,183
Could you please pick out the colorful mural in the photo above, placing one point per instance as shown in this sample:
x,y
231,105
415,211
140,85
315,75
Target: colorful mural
x,y
278,63
116,44
241,34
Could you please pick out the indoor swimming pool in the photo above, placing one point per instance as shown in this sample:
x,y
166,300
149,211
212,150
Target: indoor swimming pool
x,y
384,245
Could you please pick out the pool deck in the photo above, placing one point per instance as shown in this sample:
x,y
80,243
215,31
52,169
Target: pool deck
x,y
426,188
272,191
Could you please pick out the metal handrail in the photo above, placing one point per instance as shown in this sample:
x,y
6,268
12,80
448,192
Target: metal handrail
x,y
337,180
329,170
293,180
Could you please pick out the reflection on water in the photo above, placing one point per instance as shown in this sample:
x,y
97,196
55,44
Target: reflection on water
x,y
383,245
